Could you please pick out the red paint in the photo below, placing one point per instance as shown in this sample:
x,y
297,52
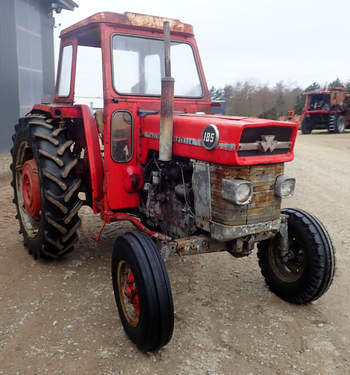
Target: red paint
x,y
321,111
98,236
133,179
116,186
130,292
57,110
93,155
109,217
230,129
92,145
31,188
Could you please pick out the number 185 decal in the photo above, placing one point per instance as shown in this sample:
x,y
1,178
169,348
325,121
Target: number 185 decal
x,y
210,137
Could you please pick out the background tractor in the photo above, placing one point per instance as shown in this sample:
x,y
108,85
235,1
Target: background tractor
x,y
191,182
326,109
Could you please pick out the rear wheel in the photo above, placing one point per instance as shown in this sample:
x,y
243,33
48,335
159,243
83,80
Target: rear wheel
x,y
45,187
307,271
340,124
306,126
335,123
142,291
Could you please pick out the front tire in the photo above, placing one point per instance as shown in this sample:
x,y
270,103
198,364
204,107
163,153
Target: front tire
x,y
309,270
142,291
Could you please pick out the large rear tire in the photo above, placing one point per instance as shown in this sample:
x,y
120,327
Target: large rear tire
x,y
340,124
336,123
142,291
308,271
45,186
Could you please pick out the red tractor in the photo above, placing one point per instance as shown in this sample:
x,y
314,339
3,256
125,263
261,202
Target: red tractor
x,y
190,182
326,109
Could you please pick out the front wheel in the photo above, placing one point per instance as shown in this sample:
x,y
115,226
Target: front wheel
x,y
142,291
307,271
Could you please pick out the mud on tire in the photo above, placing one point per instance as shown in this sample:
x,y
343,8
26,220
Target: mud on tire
x,y
43,141
310,276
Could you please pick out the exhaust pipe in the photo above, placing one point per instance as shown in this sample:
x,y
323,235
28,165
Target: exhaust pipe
x,y
167,102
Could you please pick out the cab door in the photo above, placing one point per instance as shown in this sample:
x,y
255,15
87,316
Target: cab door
x,y
123,175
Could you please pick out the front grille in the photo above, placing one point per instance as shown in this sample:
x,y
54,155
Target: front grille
x,y
251,139
265,206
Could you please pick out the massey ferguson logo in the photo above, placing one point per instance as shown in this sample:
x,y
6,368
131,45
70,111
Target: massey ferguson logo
x,y
268,143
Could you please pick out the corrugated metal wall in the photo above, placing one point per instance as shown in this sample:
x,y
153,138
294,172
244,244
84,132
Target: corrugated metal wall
x,y
27,67
9,101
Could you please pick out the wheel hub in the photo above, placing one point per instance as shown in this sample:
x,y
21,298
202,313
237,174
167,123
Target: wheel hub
x,y
31,188
128,294
289,267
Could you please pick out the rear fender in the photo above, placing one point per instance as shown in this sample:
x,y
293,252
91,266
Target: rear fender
x,y
94,156
92,143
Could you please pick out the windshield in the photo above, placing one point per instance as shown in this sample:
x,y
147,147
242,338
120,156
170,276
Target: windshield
x,y
138,65
319,101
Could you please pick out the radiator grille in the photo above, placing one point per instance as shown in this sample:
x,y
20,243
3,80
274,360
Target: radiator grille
x,y
265,206
251,137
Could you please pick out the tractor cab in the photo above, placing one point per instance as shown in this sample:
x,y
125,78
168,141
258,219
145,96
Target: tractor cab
x,y
124,61
319,101
118,59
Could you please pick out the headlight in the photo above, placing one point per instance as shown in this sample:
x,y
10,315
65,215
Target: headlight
x,y
284,186
237,191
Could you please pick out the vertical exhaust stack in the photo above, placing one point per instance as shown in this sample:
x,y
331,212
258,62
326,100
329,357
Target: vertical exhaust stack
x,y
167,102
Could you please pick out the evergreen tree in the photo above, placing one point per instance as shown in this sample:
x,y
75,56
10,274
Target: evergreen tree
x,y
336,83
300,99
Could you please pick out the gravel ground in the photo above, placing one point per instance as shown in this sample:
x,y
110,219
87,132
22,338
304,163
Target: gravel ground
x,y
60,317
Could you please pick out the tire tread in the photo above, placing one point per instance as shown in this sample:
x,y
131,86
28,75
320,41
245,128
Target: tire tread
x,y
321,255
59,194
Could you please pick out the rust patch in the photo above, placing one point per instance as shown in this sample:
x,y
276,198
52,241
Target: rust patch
x,y
143,20
132,20
265,206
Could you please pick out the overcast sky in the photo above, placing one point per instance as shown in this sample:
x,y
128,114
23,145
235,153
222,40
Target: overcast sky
x,y
296,41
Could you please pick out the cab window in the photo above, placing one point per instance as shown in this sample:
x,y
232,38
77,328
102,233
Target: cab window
x,y
122,136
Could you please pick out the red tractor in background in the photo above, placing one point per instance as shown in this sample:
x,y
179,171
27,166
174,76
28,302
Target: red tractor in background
x,y
154,155
326,109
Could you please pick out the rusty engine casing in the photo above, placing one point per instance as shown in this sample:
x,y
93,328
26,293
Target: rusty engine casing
x,y
226,221
265,205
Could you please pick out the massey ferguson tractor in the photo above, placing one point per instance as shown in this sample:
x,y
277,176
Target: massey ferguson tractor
x,y
189,181
326,109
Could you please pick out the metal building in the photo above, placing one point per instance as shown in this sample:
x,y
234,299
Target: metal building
x,y
26,58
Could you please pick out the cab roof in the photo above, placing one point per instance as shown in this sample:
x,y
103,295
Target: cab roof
x,y
129,20
318,92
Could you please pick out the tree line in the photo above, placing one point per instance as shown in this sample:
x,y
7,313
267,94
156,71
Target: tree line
x,y
245,98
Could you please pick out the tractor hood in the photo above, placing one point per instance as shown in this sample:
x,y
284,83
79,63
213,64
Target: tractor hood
x,y
224,139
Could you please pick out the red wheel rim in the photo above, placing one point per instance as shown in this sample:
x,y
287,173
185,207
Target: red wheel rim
x,y
31,188
128,294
